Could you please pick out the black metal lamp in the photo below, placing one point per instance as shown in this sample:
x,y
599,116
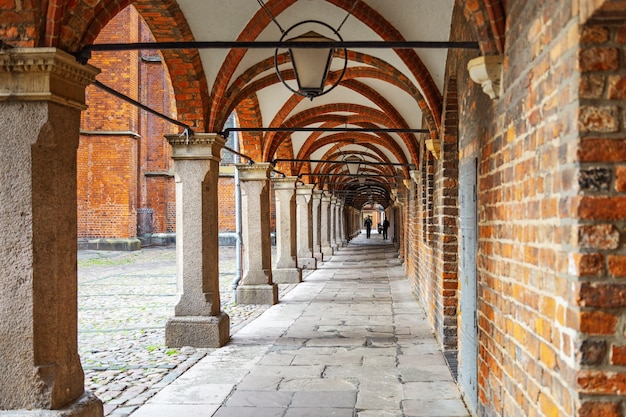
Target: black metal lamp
x,y
311,65
353,164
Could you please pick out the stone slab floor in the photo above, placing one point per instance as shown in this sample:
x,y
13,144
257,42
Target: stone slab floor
x,y
350,341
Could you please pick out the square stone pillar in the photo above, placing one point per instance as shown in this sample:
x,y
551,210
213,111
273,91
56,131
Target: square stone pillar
x,y
198,321
256,285
42,92
342,235
304,229
325,222
286,270
316,210
333,224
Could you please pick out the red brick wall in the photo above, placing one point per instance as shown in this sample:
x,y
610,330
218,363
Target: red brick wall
x,y
526,145
121,172
600,262
107,161
226,197
107,186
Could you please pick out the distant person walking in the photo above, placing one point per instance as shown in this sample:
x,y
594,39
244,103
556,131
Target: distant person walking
x,y
368,226
385,227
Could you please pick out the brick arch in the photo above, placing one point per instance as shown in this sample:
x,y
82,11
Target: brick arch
x,y
320,114
377,68
166,22
394,117
362,12
358,138
378,156
488,19
307,148
248,114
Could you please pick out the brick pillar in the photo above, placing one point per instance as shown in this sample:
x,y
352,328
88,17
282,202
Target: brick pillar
x,y
286,270
304,221
316,209
42,95
333,214
325,217
256,285
198,321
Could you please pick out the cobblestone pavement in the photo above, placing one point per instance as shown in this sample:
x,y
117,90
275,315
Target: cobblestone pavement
x,y
124,300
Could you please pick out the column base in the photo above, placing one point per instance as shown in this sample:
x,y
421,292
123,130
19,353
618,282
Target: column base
x,y
319,256
287,275
307,263
198,331
257,294
88,405
327,251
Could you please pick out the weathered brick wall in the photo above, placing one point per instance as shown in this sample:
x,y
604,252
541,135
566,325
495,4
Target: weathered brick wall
x,y
601,263
125,162
526,147
107,204
107,173
226,195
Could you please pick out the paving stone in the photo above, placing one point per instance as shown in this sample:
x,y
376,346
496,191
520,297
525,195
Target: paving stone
x,y
331,399
342,343
434,408
261,399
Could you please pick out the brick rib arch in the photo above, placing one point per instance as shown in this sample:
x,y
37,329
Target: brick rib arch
x,y
488,19
321,114
377,69
362,12
166,22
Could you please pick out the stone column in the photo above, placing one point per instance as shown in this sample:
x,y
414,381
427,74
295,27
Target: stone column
x,y
392,220
286,270
333,224
42,92
198,320
341,242
256,285
316,209
325,217
304,220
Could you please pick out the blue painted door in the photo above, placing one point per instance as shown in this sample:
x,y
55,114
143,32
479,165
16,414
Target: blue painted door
x,y
468,366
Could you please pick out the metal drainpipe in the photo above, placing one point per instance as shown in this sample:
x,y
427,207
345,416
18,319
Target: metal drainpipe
x,y
238,222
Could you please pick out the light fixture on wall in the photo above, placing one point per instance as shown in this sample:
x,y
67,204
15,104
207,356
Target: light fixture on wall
x,y
311,65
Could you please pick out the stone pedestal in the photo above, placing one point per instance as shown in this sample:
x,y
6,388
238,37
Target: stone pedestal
x,y
286,270
256,285
198,321
304,221
42,92
316,211
325,222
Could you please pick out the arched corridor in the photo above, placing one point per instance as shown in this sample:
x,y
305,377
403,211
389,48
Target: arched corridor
x,y
491,134
349,340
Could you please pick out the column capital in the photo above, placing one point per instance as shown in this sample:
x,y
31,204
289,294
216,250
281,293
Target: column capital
x,y
304,189
415,176
318,194
487,71
44,74
287,183
197,146
256,172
